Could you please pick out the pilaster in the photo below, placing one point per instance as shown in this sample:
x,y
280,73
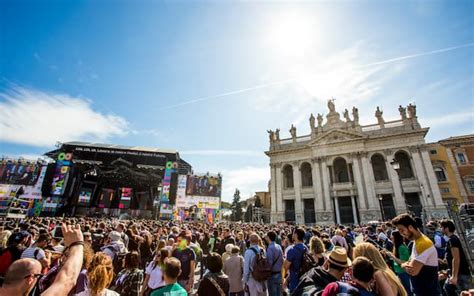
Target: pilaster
x,y
459,182
433,181
298,202
358,180
317,185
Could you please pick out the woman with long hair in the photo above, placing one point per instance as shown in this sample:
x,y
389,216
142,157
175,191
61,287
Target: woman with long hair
x,y
317,250
400,255
129,281
386,281
99,276
154,273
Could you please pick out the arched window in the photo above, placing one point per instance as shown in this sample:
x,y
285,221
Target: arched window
x,y
379,168
440,175
306,177
340,170
288,176
405,170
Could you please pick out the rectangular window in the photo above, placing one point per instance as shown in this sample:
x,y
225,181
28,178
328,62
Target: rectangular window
x,y
461,158
434,152
470,184
444,190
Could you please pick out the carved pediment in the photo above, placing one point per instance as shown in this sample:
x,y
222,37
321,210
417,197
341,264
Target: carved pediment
x,y
336,136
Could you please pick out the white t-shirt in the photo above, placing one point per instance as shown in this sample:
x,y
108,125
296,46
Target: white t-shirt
x,y
30,253
424,251
156,276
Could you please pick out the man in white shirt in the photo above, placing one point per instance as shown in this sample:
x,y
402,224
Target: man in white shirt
x,y
36,251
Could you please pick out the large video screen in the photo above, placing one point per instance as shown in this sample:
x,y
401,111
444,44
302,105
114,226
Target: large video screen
x,y
204,185
106,198
125,198
85,196
19,172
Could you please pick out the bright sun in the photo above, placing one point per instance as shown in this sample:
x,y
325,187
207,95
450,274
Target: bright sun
x,y
292,34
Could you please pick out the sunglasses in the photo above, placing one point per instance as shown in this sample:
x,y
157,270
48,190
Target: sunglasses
x,y
35,275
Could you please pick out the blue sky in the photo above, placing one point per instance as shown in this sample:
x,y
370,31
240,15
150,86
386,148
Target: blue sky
x,y
209,78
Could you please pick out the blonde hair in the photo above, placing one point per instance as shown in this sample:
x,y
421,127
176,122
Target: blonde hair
x,y
100,273
370,252
316,245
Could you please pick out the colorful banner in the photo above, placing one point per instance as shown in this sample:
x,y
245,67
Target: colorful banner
x,y
166,210
61,173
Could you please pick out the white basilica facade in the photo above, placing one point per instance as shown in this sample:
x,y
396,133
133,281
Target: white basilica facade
x,y
347,173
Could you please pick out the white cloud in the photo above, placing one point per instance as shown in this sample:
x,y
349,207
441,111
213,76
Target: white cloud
x,y
222,152
247,179
38,118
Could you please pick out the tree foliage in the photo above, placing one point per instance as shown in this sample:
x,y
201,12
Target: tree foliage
x,y
236,207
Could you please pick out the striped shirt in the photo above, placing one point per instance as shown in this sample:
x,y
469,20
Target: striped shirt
x,y
31,251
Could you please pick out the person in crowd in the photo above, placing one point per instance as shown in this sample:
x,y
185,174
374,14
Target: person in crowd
x,y
252,286
36,251
362,277
339,240
172,269
16,244
215,282
88,238
121,230
458,276
233,268
154,272
275,260
400,255
56,244
240,242
294,259
23,274
227,239
386,281
423,264
228,252
316,279
114,245
317,250
100,275
129,281
213,241
4,235
187,257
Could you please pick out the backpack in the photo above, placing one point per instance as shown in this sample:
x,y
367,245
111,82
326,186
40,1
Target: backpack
x,y
307,262
119,259
261,269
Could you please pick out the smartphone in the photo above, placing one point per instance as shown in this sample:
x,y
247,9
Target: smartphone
x,y
58,232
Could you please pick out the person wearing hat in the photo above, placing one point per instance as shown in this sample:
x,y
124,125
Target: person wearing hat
x,y
114,246
317,278
228,252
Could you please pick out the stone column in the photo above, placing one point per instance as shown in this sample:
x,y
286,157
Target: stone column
x,y
273,197
326,186
336,205
354,209
420,176
433,181
317,185
279,192
368,179
358,180
298,202
399,200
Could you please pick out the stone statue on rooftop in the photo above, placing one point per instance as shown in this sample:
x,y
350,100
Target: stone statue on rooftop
x,y
346,115
378,114
277,134
411,111
320,120
312,121
293,132
355,114
331,106
271,135
403,112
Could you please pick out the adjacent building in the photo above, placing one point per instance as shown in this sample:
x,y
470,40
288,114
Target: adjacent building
x,y
343,172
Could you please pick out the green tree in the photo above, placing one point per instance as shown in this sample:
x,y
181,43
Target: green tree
x,y
236,207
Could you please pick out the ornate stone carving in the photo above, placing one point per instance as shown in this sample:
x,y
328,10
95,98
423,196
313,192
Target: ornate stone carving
x,y
320,120
355,114
324,216
379,116
346,116
312,122
411,111
331,106
403,112
271,135
293,132
277,134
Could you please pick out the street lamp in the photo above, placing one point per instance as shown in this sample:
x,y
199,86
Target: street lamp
x,y
381,207
396,166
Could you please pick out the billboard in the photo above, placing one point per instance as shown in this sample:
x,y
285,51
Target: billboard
x,y
61,173
204,185
19,172
29,191
166,208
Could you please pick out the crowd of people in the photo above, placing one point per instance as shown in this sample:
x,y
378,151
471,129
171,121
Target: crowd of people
x,y
108,257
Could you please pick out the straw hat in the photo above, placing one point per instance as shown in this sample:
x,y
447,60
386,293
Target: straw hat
x,y
338,256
